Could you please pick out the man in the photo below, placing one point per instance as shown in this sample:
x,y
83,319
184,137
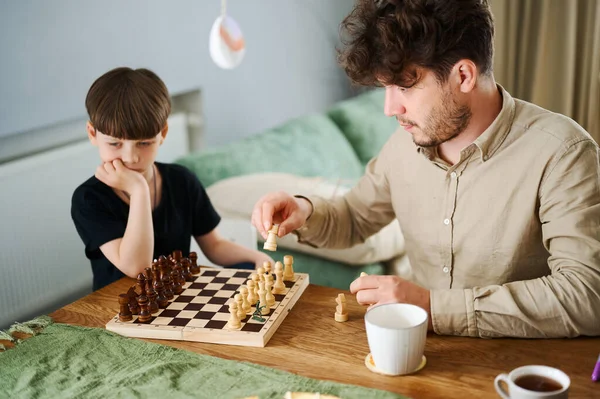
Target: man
x,y
498,199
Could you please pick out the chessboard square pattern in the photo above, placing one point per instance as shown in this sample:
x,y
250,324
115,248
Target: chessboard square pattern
x,y
198,323
231,287
179,322
193,306
198,286
201,299
204,315
212,308
215,324
202,310
220,316
187,314
178,306
225,294
209,293
250,327
219,301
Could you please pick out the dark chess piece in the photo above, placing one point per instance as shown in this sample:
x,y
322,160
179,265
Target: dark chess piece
x,y
141,284
124,312
165,276
194,268
185,267
145,316
150,292
178,280
133,305
161,299
177,255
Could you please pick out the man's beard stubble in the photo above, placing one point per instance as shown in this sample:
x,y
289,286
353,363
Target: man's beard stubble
x,y
444,122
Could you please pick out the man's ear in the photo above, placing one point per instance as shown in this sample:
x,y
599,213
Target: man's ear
x,y
91,133
163,133
466,75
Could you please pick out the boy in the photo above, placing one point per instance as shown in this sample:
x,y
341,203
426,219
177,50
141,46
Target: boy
x,y
135,209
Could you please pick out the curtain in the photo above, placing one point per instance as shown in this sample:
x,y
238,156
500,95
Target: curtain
x,y
548,52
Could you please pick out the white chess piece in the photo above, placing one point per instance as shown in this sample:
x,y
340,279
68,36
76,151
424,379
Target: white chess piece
x,y
252,298
240,306
288,272
279,286
271,242
341,314
262,295
245,304
269,288
234,322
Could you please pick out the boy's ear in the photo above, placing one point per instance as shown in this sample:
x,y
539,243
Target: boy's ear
x,y
91,133
163,133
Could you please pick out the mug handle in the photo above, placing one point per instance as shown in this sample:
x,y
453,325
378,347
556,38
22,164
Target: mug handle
x,y
499,388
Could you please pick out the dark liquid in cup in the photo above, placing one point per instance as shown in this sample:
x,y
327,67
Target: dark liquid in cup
x,y
538,383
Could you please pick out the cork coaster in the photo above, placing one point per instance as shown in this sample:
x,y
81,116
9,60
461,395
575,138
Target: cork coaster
x,y
371,366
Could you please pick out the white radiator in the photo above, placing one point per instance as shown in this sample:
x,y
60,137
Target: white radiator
x,y
42,260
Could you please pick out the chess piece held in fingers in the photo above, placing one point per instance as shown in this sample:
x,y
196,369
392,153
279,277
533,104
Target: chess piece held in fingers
x,y
271,242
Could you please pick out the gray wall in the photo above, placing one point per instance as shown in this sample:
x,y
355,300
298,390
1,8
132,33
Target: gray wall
x,y
51,51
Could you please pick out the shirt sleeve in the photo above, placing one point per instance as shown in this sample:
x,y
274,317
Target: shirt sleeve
x,y
350,219
562,304
94,220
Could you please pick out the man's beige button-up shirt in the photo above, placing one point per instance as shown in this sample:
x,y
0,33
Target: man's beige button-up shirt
x,y
507,239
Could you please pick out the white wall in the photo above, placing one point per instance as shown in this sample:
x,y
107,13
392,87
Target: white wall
x,y
51,51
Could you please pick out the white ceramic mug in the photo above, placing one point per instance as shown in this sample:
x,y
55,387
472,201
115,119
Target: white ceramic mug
x,y
396,333
518,392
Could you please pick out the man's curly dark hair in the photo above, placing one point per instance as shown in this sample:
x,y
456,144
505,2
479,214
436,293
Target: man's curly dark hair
x,y
389,41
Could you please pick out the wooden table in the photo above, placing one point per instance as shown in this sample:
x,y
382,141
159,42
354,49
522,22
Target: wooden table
x,y
310,343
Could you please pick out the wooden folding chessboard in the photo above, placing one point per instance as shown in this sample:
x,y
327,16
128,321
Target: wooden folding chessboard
x,y
201,311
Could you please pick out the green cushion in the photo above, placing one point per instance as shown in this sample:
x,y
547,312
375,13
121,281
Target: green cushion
x,y
326,272
308,146
363,122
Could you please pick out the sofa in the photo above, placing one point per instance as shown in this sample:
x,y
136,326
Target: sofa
x,y
318,154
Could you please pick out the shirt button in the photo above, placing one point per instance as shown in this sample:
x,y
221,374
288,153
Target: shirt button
x,y
445,269
453,175
446,221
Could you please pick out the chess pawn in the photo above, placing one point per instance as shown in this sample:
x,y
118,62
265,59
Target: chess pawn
x,y
269,288
279,286
141,284
234,321
261,273
145,316
152,295
267,267
341,314
245,304
271,243
252,298
240,306
124,312
194,269
256,278
262,297
185,266
133,305
161,299
288,271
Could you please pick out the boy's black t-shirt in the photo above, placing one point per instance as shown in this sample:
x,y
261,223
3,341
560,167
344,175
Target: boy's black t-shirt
x,y
100,216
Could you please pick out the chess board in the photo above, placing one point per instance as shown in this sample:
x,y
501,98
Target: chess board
x,y
201,311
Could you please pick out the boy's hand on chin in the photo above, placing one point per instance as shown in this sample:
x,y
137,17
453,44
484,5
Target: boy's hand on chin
x,y
116,175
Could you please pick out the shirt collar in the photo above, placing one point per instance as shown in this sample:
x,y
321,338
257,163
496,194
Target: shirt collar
x,y
492,138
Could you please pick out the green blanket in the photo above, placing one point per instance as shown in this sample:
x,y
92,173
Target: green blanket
x,y
63,361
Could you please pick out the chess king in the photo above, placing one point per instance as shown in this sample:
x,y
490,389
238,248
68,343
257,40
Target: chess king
x,y
133,209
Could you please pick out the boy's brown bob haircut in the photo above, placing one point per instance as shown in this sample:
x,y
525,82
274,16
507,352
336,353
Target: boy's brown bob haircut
x,y
128,104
